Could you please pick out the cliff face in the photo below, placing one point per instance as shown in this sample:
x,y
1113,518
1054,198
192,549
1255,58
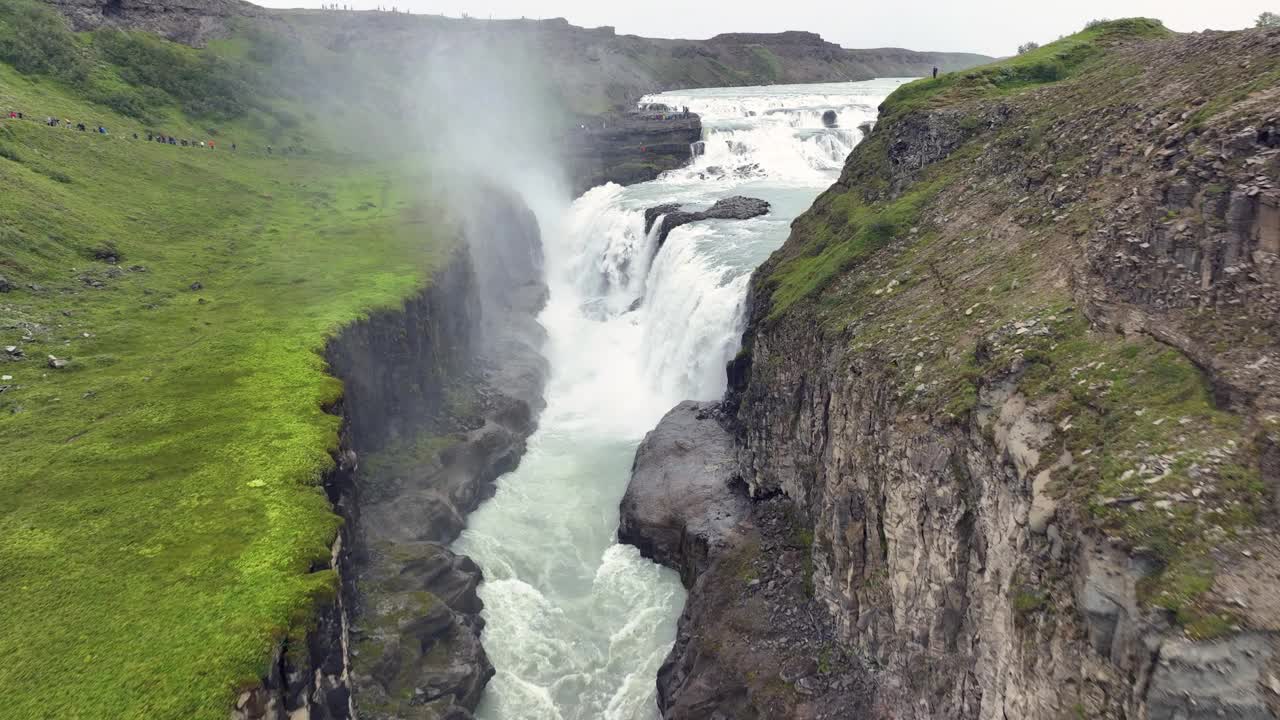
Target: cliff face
x,y
1010,379
439,397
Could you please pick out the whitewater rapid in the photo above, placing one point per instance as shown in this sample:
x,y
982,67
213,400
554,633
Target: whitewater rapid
x,y
576,624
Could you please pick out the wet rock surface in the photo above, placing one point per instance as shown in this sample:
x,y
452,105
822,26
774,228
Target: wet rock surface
x,y
685,502
670,217
435,430
752,641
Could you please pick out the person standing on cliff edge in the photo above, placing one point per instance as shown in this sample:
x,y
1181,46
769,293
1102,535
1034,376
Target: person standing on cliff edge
x,y
935,73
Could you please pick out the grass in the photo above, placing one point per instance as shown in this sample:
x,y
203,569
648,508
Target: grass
x,y
1156,463
1053,62
765,65
851,229
160,501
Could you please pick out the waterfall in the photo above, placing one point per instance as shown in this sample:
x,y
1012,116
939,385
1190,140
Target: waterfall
x,y
577,625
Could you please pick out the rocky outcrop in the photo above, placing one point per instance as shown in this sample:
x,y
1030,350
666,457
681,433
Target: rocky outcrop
x,y
1004,426
192,22
670,217
752,641
628,148
685,502
439,397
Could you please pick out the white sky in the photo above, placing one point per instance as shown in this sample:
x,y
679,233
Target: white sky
x,y
994,27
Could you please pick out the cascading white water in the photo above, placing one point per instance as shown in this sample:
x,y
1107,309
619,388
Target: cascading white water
x,y
577,625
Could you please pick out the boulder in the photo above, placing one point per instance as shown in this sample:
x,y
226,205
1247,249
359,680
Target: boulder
x,y
5,285
830,119
683,505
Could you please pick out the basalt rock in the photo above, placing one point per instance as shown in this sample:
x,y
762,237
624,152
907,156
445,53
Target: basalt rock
x,y
685,502
628,148
673,216
472,384
752,643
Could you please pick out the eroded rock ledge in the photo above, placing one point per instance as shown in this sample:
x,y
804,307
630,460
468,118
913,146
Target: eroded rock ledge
x,y
669,217
627,147
682,508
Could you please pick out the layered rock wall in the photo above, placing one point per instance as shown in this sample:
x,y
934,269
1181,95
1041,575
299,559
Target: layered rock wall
x,y
628,148
966,425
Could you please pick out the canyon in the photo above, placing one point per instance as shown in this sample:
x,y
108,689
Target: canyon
x,y
963,387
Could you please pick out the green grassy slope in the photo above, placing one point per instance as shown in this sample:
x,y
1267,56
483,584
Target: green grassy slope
x,y
968,259
159,500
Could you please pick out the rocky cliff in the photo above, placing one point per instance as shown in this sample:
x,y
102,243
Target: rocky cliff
x,y
439,396
1006,408
193,22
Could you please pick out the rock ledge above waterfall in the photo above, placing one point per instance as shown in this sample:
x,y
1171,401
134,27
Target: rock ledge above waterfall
x,y
673,216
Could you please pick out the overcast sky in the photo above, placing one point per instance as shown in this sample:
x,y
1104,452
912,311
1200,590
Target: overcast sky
x,y
995,27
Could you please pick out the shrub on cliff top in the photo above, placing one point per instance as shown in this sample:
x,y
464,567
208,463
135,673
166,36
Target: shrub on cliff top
x,y
203,84
35,40
133,73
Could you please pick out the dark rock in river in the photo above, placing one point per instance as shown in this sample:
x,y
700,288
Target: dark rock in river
x,y
731,208
830,119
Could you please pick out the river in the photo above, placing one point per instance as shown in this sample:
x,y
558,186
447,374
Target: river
x,y
578,625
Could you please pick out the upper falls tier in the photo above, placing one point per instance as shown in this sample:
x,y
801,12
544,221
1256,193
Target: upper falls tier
x,y
627,148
